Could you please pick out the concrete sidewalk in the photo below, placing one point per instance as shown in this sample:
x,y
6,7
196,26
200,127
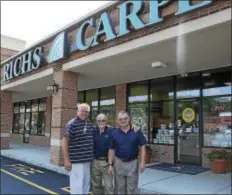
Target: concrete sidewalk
x,y
152,181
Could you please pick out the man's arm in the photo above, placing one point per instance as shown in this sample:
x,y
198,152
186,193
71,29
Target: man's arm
x,y
142,155
142,143
65,140
65,148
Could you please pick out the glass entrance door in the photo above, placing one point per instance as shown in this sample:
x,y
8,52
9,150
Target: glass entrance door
x,y
188,150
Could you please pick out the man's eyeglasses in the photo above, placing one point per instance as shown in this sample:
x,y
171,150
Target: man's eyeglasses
x,y
101,121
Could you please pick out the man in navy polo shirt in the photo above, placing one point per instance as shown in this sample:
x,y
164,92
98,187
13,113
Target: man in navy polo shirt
x,y
126,145
77,146
99,169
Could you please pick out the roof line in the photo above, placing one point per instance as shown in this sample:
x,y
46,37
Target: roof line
x,y
101,8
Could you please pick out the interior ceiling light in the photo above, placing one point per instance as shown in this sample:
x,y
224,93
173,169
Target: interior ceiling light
x,y
209,83
206,74
228,83
158,64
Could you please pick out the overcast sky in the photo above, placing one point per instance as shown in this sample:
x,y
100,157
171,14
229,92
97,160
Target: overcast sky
x,y
34,20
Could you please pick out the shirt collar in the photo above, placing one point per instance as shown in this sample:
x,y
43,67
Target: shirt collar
x,y
105,130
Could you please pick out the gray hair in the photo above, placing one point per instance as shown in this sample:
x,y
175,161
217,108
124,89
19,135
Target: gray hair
x,y
122,113
101,115
83,105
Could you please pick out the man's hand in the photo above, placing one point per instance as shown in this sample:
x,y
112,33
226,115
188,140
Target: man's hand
x,y
68,165
110,170
135,128
142,167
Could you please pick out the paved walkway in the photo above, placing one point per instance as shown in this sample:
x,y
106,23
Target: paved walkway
x,y
152,181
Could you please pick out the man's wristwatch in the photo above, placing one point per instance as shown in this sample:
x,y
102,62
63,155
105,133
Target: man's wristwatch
x,y
110,164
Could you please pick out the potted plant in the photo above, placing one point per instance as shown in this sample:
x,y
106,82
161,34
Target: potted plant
x,y
149,150
219,160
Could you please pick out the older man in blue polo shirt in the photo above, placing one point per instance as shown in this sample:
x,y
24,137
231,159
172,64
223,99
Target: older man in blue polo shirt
x,y
100,164
126,145
100,174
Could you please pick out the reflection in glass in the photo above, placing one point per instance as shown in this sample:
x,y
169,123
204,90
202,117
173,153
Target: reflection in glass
x,y
34,106
16,123
107,103
188,87
16,108
217,84
21,122
217,121
162,89
41,123
80,97
22,107
162,122
138,92
34,121
139,116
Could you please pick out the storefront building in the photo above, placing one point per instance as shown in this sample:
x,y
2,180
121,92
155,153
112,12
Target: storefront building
x,y
167,63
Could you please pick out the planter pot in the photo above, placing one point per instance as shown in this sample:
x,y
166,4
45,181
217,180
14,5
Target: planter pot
x,y
147,159
219,166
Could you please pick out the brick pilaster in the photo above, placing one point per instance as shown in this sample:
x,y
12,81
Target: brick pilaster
x,y
120,97
63,109
6,118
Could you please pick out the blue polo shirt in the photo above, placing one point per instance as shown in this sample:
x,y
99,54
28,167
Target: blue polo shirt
x,y
126,145
102,141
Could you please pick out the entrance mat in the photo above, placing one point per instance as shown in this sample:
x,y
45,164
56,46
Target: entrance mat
x,y
178,168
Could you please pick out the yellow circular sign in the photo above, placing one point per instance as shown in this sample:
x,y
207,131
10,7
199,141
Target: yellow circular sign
x,y
188,115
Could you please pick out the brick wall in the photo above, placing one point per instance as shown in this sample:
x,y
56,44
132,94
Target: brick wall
x,y
207,163
39,140
6,118
16,138
63,110
163,153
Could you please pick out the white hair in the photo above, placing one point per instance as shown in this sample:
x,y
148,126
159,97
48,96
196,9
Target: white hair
x,y
102,115
83,105
122,113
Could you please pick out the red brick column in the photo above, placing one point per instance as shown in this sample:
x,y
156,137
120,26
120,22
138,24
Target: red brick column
x,y
63,109
6,118
120,97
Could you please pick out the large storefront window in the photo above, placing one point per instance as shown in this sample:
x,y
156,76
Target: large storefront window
x,y
107,103
29,118
101,101
162,111
217,109
217,121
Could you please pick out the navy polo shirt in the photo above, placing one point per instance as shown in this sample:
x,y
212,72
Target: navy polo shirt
x,y
102,141
126,145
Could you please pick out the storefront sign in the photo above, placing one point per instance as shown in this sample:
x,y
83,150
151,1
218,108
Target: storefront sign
x,y
129,14
129,17
188,115
22,64
33,59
